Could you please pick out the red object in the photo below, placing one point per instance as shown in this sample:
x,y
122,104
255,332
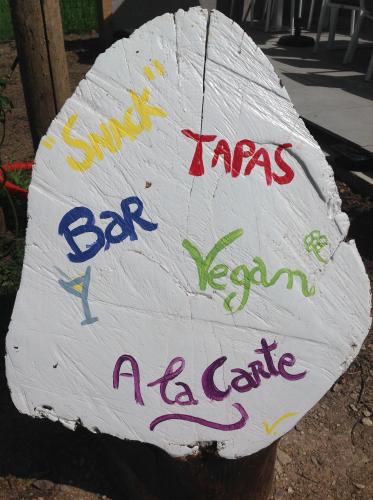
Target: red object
x,y
11,167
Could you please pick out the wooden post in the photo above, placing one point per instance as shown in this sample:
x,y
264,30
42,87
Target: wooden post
x,y
40,45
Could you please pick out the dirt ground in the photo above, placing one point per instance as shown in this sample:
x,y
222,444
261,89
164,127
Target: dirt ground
x,y
329,455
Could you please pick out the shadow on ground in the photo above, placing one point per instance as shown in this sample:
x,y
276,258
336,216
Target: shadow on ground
x,y
86,49
324,68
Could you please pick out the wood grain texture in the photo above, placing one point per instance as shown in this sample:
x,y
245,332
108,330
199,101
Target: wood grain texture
x,y
27,17
56,50
42,59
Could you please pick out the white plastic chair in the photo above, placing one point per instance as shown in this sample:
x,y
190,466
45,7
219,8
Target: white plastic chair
x,y
267,12
269,7
310,17
334,6
249,14
310,14
366,11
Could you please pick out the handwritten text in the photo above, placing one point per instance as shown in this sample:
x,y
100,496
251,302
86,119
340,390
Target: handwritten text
x,y
233,164
242,381
241,275
124,223
113,132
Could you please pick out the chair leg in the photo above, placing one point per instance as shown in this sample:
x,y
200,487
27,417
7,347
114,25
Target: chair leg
x,y
352,22
265,9
310,15
251,14
369,74
300,8
333,25
278,15
248,14
350,52
320,25
292,17
268,15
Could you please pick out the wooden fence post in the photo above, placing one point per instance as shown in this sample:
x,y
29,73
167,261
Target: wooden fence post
x,y
42,59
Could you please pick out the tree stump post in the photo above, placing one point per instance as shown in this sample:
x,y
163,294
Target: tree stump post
x,y
145,472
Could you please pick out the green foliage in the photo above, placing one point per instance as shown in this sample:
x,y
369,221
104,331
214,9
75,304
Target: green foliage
x,y
6,28
78,16
21,178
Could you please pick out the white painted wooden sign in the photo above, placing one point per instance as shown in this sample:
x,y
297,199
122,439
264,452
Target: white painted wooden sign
x,y
186,277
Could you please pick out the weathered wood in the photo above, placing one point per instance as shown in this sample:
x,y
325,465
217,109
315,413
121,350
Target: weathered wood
x,y
187,278
56,52
42,60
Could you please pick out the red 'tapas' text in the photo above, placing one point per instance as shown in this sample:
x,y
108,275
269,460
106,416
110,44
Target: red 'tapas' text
x,y
259,157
